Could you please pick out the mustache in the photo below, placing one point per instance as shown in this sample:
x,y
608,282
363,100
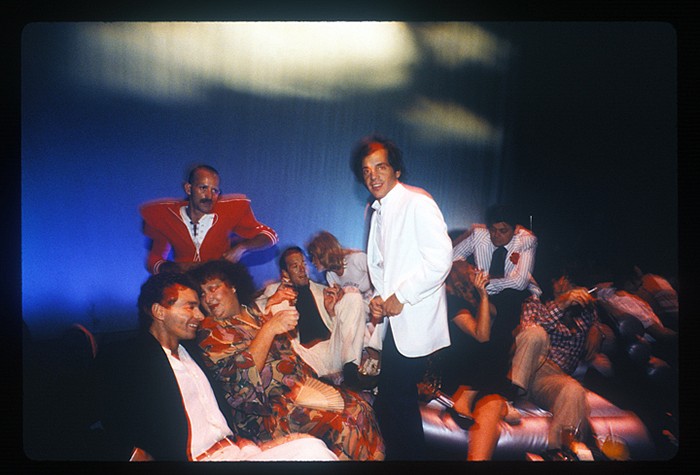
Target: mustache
x,y
205,201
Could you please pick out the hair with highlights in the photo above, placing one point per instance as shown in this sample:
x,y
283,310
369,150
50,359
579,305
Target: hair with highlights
x,y
327,250
367,145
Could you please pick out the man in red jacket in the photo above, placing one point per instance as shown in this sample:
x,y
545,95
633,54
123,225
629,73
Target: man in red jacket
x,y
201,228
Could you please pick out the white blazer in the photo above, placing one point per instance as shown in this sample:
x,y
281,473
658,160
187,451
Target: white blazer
x,y
411,256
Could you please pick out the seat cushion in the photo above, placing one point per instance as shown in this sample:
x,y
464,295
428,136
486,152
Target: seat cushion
x,y
448,441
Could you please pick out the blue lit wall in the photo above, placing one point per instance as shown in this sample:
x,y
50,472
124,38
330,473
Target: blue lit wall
x,y
99,139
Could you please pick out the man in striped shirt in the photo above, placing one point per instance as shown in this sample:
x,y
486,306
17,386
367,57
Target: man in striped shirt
x,y
506,251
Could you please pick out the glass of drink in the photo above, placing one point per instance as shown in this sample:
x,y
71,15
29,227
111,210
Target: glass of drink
x,y
569,435
615,448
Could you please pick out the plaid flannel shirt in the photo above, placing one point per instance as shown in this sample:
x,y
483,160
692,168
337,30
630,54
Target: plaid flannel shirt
x,y
567,343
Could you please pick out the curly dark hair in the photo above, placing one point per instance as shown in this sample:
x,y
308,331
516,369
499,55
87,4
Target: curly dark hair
x,y
327,249
232,274
154,291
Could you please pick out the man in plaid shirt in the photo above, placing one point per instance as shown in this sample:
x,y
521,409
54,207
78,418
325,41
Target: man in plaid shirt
x,y
553,339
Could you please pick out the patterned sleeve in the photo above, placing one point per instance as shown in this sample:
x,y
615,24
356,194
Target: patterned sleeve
x,y
464,248
225,349
545,315
521,274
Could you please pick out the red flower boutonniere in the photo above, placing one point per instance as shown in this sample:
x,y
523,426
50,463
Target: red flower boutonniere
x,y
514,258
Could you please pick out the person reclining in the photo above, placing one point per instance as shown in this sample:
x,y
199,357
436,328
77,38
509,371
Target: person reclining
x,y
331,331
254,361
348,269
553,339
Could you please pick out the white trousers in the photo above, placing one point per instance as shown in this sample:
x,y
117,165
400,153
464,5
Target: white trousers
x,y
307,449
346,341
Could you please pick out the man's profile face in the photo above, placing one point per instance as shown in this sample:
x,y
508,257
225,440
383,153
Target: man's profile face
x,y
296,269
203,192
378,174
219,299
501,233
181,319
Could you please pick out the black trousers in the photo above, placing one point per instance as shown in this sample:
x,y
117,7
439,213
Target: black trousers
x,y
396,405
508,305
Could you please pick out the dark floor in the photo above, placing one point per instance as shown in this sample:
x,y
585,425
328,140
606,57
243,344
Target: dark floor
x,y
60,414
653,397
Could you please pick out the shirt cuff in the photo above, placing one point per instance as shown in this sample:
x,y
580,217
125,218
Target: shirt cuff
x,y
402,300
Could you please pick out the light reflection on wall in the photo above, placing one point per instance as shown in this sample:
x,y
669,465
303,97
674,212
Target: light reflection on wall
x,y
438,122
316,60
455,43
313,60
274,106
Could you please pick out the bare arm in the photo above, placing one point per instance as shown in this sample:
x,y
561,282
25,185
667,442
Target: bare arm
x,y
479,327
483,318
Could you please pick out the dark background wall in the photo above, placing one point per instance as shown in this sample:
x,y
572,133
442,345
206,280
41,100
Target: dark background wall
x,y
595,147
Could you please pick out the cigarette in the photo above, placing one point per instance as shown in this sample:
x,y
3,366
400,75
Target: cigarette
x,y
590,291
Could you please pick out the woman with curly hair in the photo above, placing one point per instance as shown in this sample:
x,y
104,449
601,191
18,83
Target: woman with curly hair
x,y
252,357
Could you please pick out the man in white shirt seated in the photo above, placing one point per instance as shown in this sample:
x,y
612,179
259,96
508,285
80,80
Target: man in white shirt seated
x,y
159,402
331,330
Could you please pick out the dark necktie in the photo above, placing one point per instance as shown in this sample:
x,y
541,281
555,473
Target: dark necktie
x,y
498,262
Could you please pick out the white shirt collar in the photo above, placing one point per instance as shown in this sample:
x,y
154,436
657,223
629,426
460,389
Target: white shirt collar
x,y
203,226
389,197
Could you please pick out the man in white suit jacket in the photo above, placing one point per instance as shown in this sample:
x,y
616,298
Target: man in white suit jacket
x,y
409,256
331,329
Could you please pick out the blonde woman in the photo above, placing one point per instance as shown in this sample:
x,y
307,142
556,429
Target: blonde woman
x,y
347,268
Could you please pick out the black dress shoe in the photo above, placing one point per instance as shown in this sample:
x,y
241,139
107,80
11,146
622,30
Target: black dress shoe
x,y
514,393
462,420
353,379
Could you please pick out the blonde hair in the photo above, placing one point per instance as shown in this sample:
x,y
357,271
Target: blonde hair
x,y
326,248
